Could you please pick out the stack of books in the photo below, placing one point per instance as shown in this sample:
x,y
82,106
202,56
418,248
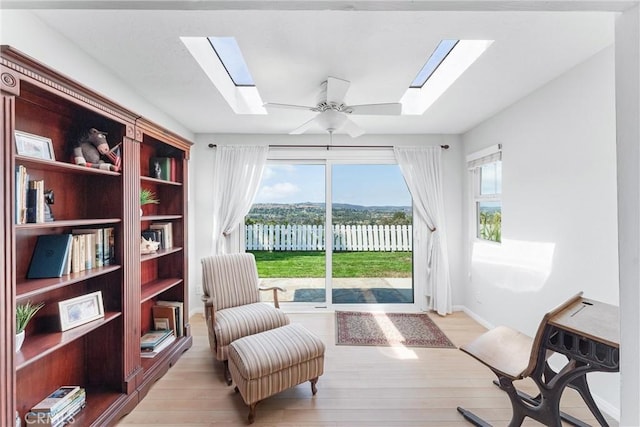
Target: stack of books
x,y
161,232
153,342
92,248
31,199
168,315
56,255
59,408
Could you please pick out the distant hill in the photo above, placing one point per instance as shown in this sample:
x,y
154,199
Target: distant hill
x,y
314,213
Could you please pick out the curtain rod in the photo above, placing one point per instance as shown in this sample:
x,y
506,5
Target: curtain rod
x,y
328,147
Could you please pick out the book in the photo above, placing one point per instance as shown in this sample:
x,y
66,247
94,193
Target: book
x,y
46,419
32,203
75,253
97,251
174,169
40,202
109,252
152,338
149,353
21,194
35,210
49,257
179,314
166,312
70,407
67,262
57,399
167,233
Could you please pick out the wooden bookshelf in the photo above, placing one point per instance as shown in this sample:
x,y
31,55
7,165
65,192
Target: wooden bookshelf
x,y
42,344
103,355
31,288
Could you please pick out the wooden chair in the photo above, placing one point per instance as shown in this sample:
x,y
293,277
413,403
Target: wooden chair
x,y
513,356
232,303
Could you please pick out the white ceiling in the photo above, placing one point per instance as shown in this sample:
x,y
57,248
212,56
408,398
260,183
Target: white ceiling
x,y
290,52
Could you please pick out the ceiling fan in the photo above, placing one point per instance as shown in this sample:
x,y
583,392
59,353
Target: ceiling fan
x,y
334,112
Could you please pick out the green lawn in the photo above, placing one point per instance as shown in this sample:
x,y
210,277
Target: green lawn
x,y
345,264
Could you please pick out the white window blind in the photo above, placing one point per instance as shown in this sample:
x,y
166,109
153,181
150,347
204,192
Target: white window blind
x,y
483,157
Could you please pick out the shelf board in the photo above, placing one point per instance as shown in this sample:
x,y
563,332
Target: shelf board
x,y
159,181
177,345
39,345
159,217
98,402
151,289
160,253
54,166
69,223
31,287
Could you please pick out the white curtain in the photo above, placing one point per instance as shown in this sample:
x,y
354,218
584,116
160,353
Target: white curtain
x,y
422,170
237,174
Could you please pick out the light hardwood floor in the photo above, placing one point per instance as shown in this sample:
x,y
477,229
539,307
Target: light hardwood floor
x,y
361,386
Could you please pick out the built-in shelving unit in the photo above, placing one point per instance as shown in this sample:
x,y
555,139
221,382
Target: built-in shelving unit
x,y
103,355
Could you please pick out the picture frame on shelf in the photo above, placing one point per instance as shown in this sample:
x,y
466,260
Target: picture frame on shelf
x,y
161,324
31,145
80,310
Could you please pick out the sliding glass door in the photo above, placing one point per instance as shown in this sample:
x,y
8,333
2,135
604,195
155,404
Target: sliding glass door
x,y
371,221
333,233
285,230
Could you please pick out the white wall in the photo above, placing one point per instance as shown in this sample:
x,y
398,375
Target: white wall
x,y
559,205
24,31
559,201
202,165
628,137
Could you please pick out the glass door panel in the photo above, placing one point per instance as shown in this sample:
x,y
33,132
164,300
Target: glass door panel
x,y
285,230
371,220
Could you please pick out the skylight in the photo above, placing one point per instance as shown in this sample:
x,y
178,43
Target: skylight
x,y
434,61
230,55
434,80
221,60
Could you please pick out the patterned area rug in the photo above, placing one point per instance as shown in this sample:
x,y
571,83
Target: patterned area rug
x,y
389,329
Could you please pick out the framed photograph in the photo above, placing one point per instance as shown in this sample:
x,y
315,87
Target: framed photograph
x,y
161,324
80,310
28,144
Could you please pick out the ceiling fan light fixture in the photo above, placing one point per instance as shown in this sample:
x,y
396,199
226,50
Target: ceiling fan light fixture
x,y
333,110
331,120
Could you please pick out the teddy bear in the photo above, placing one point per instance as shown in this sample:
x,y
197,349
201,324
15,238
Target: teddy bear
x,y
92,150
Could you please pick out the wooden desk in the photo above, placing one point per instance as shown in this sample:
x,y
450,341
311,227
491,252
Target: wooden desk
x,y
585,331
593,320
588,331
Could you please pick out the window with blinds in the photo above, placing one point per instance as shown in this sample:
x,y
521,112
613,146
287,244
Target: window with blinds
x,y
486,169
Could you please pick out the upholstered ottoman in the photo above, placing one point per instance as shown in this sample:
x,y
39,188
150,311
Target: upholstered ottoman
x,y
267,363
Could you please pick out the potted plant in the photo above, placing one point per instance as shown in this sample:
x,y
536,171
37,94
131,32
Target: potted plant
x,y
24,313
147,197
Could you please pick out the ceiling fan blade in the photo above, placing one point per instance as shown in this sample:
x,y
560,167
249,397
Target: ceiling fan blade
x,y
388,109
352,129
304,127
289,106
336,90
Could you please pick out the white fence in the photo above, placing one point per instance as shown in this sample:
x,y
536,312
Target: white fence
x,y
260,237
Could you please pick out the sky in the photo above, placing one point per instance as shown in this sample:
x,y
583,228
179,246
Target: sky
x,y
366,185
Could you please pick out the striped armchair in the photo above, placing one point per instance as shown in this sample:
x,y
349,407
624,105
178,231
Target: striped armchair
x,y
232,304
